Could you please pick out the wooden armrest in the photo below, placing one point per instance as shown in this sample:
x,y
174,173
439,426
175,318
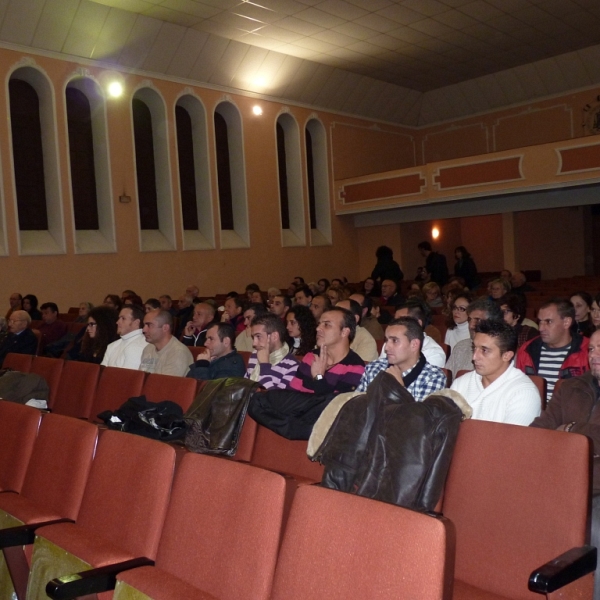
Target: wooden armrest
x,y
564,569
23,535
94,581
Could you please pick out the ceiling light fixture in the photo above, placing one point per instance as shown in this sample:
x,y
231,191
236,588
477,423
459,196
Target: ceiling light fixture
x,y
257,110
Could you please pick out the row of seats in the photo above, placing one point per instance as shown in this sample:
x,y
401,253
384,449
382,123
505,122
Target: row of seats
x,y
515,498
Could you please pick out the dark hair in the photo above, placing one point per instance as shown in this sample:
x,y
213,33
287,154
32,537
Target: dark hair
x,y
502,332
355,309
164,317
51,305
491,308
414,331
116,300
305,290
424,246
327,302
166,296
239,301
33,301
133,299
106,332
287,301
348,320
153,302
384,252
308,328
326,281
338,279
258,308
137,312
450,324
300,278
418,309
516,304
252,287
272,324
465,253
587,298
231,295
564,307
225,330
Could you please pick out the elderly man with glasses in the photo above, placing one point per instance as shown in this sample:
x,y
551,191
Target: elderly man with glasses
x,y
20,340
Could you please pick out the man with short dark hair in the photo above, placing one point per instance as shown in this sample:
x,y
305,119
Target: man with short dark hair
x,y
559,352
319,305
233,313
243,340
126,352
363,344
20,339
221,359
303,296
52,329
389,297
194,333
280,306
496,390
368,321
164,354
435,264
405,361
16,303
271,363
166,303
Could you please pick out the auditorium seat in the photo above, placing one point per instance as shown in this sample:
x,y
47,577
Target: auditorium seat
x,y
518,497
50,369
247,439
195,350
121,514
115,387
18,431
18,362
542,387
246,356
338,546
181,390
232,518
76,389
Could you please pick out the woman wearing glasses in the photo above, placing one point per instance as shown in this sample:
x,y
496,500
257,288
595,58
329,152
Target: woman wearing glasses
x,y
458,326
100,330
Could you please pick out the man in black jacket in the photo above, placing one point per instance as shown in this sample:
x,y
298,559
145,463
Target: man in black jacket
x,y
435,264
20,340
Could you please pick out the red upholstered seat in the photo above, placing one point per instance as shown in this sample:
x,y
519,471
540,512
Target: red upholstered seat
x,y
18,431
181,390
339,546
76,389
221,534
115,387
519,497
50,369
18,362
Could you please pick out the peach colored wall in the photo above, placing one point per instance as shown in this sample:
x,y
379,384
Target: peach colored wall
x,y
482,237
370,238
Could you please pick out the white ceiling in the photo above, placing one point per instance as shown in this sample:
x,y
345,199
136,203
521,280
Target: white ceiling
x,y
413,62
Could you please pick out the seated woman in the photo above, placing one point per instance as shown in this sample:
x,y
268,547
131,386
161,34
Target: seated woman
x,y
100,331
302,328
370,287
582,301
335,295
458,326
84,311
30,304
498,288
513,309
595,312
433,295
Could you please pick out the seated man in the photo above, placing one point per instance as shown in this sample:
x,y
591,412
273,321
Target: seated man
x,y
20,339
405,361
127,351
194,333
333,367
271,363
573,408
461,358
16,303
303,296
319,305
389,297
221,359
233,313
280,306
496,390
243,340
363,344
368,321
166,303
164,354
185,310
51,329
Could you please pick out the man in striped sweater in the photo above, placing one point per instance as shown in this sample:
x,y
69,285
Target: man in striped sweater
x,y
271,363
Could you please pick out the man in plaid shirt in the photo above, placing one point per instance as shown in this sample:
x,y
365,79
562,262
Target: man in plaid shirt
x,y
404,360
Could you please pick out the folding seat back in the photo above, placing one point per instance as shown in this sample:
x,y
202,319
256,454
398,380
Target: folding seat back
x,y
195,350
18,431
76,389
341,546
222,531
17,362
247,438
181,390
115,387
519,497
276,453
51,370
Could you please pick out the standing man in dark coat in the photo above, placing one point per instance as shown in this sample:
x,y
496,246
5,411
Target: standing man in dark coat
x,y
435,264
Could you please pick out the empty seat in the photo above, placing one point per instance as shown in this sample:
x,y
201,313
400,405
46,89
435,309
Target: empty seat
x,y
232,517
181,390
18,362
50,369
338,546
18,431
76,389
115,387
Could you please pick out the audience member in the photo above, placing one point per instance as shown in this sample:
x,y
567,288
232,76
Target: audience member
x,y
595,312
3,330
436,268
458,327
299,281
303,296
405,361
335,294
164,354
194,332
465,267
313,287
582,303
243,340
220,359
250,289
166,303
280,306
100,331
368,321
126,294
302,329
370,288
16,303
256,298
433,295
319,305
271,293
332,367
496,390
152,304
185,310
364,343
84,312
386,267
131,299
559,352
271,364
113,301
30,304
323,285
519,284
506,275
513,309
389,297
461,357
498,288
20,339
126,352
233,313
52,329
192,291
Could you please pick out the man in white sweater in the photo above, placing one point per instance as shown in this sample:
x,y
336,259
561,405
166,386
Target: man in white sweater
x,y
496,390
126,352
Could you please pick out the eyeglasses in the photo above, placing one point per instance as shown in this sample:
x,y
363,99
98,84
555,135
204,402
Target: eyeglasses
x,y
458,308
91,324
